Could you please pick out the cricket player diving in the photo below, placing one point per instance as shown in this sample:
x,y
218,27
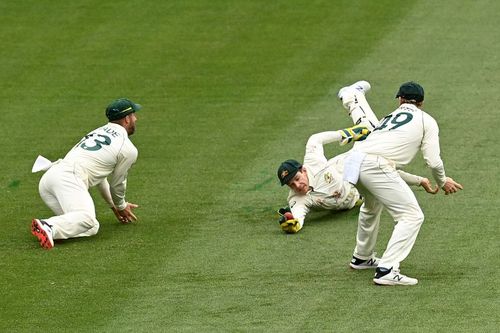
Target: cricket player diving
x,y
318,183
102,158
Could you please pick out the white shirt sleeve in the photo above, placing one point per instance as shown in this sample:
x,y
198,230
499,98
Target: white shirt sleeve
x,y
315,154
431,151
118,178
409,178
298,207
105,192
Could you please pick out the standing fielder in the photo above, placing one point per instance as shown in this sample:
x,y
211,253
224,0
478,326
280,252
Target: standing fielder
x,y
102,158
318,183
393,143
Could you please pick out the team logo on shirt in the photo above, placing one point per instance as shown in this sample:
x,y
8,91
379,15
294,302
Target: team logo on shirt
x,y
328,177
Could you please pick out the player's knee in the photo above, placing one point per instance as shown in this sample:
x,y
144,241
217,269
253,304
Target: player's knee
x,y
93,225
92,231
416,217
89,220
420,218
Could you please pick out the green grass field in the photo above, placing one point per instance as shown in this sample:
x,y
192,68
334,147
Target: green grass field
x,y
230,89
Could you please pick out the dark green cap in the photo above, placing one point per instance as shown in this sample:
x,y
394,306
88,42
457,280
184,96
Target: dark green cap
x,y
121,108
288,170
411,91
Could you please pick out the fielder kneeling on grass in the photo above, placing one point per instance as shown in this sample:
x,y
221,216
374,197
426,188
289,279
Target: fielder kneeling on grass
x,y
102,158
319,183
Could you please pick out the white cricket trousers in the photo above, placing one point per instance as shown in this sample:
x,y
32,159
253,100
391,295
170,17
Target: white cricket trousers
x,y
66,194
382,187
362,114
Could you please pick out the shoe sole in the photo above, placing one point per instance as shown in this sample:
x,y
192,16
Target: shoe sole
x,y
365,86
391,283
39,232
362,267
360,86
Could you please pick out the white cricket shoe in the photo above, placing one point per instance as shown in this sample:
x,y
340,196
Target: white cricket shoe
x,y
43,231
362,86
371,263
393,278
348,94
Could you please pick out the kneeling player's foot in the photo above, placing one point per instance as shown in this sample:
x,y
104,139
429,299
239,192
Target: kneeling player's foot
x,y
392,277
43,231
357,263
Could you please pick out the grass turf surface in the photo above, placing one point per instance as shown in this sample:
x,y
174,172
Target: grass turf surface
x,y
229,90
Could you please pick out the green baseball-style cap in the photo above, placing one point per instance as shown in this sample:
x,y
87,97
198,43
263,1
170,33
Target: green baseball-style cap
x,y
288,170
411,91
121,108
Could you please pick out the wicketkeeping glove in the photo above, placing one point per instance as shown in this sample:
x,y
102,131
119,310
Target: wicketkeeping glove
x,y
287,222
284,210
355,133
291,226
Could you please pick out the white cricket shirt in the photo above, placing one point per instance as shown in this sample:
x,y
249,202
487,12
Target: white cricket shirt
x,y
105,152
401,134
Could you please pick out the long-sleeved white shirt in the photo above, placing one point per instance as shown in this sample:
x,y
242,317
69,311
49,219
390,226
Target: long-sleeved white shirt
x,y
328,190
105,155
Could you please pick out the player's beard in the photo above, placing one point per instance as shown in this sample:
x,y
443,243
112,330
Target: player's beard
x,y
131,129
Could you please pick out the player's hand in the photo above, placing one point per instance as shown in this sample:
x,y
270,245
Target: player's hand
x,y
355,133
126,215
289,224
115,211
427,185
451,186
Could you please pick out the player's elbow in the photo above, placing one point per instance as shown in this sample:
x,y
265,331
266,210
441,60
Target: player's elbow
x,y
314,140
